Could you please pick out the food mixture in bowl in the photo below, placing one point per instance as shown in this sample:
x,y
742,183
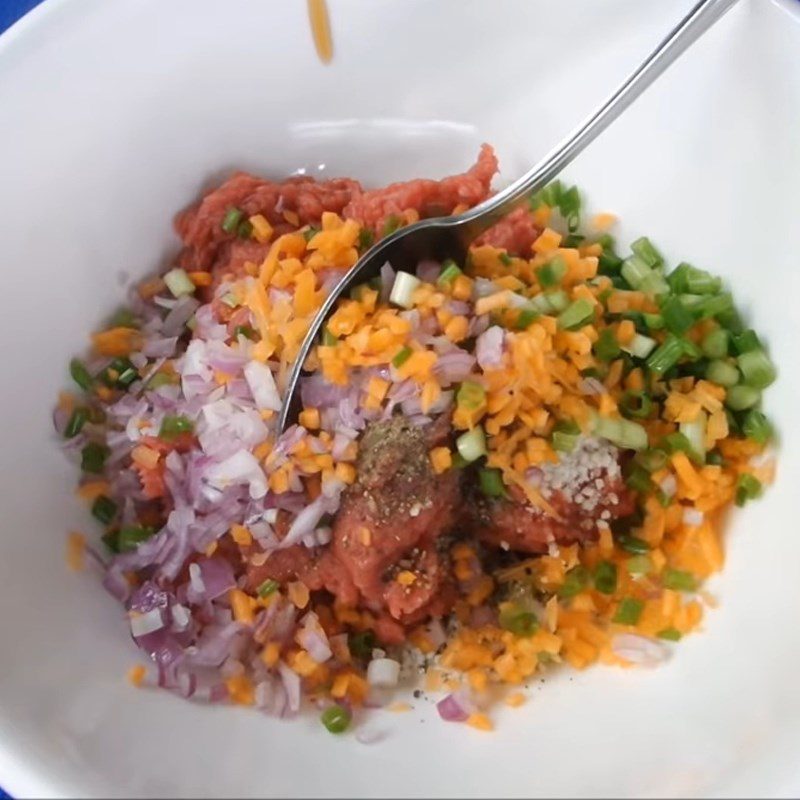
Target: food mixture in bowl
x,y
500,466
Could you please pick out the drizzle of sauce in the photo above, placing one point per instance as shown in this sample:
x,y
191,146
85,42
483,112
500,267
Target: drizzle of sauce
x,y
321,29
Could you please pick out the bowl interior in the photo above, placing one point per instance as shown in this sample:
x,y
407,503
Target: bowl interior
x,y
117,114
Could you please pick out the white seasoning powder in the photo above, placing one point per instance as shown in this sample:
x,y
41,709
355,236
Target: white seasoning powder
x,y
583,475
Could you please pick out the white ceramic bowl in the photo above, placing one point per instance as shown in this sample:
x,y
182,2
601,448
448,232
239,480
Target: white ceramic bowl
x,y
116,114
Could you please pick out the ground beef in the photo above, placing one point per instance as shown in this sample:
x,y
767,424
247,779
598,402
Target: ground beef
x,y
207,247
584,487
389,523
516,233
428,197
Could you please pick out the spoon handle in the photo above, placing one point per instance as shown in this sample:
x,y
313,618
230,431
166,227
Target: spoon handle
x,y
701,17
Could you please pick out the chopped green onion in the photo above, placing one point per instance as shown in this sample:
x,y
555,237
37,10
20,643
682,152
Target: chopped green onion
x,y
723,373
652,460
565,436
245,330
336,719
159,379
391,224
757,369
518,621
110,541
329,340
131,536
527,316
666,355
715,343
179,282
551,273
471,395
688,279
570,207
636,404
678,580
450,271
76,422
229,299
267,588
233,216
621,432
669,634
606,348
472,444
310,232
93,457
715,458
713,305
633,544
691,350
628,611
401,357
746,341
677,442
639,479
128,376
104,509
573,240
677,318
639,565
361,644
654,284
695,433
505,259
123,318
609,263
173,425
757,427
640,346
402,294
742,397
644,249
747,488
654,322
80,374
575,581
366,239
579,313
557,299
491,482
245,229
605,577
699,281
635,271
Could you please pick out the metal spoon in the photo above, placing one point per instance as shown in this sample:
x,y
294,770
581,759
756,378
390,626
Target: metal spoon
x,y
450,237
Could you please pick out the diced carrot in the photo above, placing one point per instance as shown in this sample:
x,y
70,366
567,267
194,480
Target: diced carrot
x,y
76,549
480,721
119,341
262,230
242,606
346,472
441,459
136,674
309,419
241,535
201,278
298,594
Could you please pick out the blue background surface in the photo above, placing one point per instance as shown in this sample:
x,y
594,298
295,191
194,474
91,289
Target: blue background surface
x,y
10,12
